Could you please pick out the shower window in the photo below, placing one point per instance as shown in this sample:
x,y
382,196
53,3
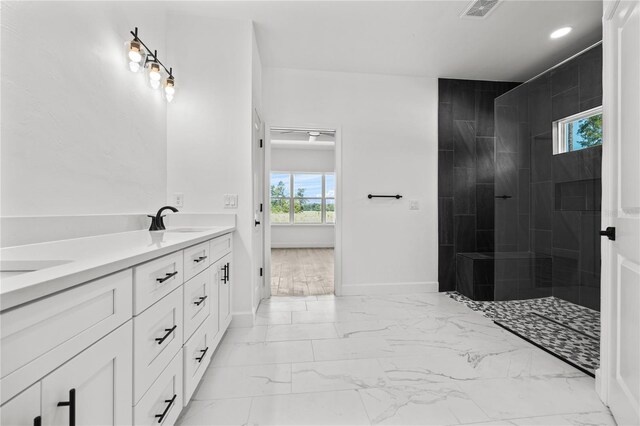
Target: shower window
x,y
579,131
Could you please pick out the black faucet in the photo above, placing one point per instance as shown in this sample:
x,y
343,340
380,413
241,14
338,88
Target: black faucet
x,y
157,223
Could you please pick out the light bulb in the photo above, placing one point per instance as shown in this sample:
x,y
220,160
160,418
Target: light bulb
x,y
135,54
154,71
154,83
561,32
169,88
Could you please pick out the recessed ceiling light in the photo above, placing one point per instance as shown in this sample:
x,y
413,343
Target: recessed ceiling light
x,y
561,32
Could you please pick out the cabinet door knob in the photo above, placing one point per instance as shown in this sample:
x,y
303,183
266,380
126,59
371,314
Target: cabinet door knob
x,y
160,417
71,403
160,340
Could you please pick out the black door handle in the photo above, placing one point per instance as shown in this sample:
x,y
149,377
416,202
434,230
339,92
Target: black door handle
x,y
504,197
200,300
71,403
610,233
167,276
160,417
163,338
257,222
37,421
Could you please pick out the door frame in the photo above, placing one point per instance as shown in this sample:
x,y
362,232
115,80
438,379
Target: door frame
x,y
258,151
610,151
337,249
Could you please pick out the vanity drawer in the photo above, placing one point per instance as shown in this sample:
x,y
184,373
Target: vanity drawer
x,y
196,260
155,279
157,337
164,398
220,246
197,302
40,336
197,355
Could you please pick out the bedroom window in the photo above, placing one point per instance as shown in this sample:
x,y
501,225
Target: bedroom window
x,y
302,198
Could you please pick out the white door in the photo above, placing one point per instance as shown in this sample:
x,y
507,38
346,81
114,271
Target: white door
x,y
621,210
259,207
95,387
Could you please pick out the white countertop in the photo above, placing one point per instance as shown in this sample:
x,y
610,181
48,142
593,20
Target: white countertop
x,y
89,258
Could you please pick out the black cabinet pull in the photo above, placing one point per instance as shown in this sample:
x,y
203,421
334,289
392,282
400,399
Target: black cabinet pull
x,y
163,338
166,277
71,403
200,259
224,274
228,274
610,233
37,421
504,197
160,417
200,300
201,357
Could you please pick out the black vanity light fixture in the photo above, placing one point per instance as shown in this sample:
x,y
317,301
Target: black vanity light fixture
x,y
141,58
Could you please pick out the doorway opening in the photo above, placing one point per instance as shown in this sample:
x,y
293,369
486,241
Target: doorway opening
x,y
302,211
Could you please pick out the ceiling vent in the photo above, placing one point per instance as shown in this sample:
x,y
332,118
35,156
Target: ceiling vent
x,y
480,9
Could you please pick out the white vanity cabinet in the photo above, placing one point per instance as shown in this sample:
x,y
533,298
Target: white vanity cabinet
x,y
24,409
94,387
127,348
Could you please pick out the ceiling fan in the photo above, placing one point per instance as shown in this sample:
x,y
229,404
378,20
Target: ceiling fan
x,y
313,134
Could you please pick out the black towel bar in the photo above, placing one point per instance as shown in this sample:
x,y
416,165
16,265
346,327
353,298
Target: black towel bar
x,y
397,196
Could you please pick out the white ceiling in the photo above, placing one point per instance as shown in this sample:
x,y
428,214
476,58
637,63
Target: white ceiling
x,y
419,38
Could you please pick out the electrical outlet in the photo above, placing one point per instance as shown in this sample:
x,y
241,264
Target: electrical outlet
x,y
414,205
178,199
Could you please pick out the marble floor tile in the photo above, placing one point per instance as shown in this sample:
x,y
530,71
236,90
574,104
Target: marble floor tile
x,y
440,404
281,299
282,307
601,418
337,375
301,332
336,349
216,412
246,334
253,380
317,408
269,318
518,397
256,353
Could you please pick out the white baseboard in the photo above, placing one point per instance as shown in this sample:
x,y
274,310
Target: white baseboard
x,y
242,319
301,245
396,288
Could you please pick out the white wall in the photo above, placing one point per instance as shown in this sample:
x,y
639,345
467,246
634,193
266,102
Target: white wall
x,y
302,160
209,127
81,134
389,145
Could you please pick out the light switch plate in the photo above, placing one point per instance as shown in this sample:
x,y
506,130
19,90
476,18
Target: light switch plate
x,y
230,201
178,199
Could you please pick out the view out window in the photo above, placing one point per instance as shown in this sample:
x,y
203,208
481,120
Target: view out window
x,y
579,131
302,198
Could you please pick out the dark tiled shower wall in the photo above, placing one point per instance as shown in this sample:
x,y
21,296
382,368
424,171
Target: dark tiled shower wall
x,y
555,209
466,149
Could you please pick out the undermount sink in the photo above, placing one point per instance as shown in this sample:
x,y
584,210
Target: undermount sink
x,y
10,268
187,230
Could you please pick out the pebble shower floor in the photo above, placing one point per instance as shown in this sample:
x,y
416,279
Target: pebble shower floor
x,y
570,332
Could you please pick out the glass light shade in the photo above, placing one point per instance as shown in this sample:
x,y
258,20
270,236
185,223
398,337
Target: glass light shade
x,y
154,83
169,88
136,55
154,71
